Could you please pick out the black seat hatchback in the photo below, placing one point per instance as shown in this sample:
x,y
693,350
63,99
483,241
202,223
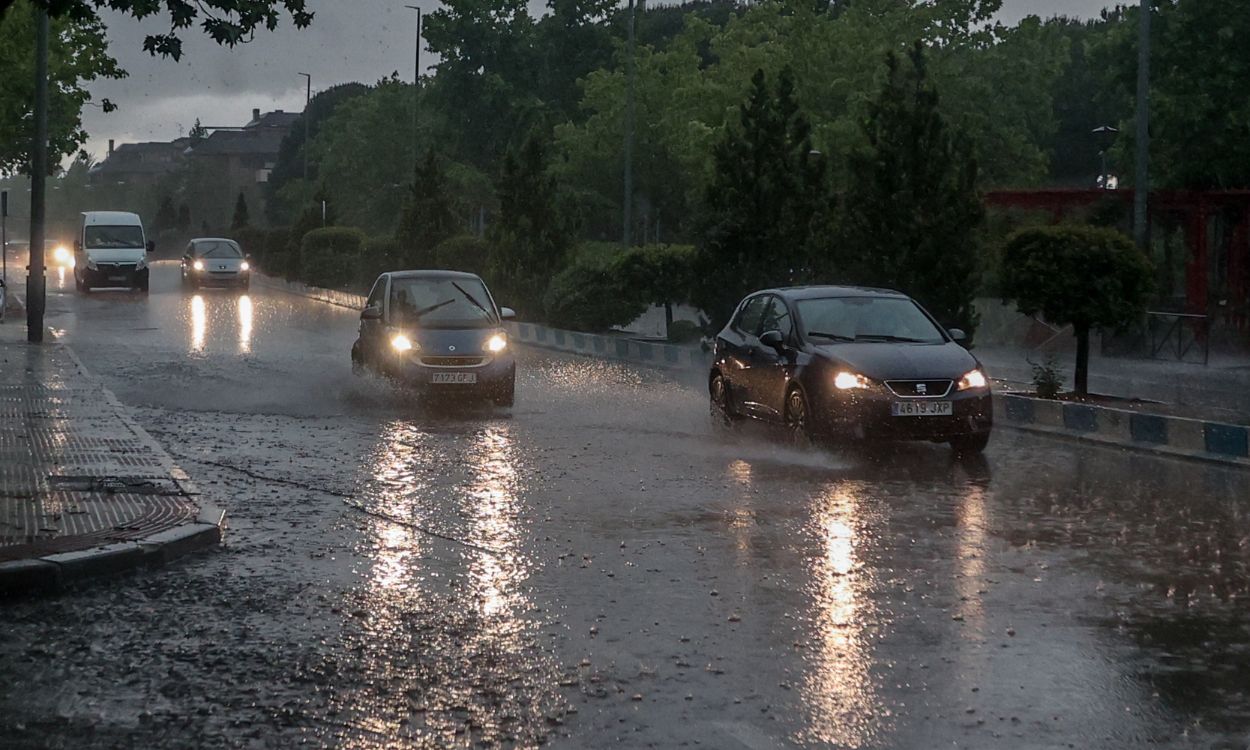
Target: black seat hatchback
x,y
852,363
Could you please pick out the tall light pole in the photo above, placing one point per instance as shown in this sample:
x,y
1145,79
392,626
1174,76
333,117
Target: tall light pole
x,y
416,85
1141,195
307,101
627,230
35,282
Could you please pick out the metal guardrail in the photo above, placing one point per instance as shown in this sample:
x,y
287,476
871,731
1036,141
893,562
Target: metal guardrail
x,y
1185,337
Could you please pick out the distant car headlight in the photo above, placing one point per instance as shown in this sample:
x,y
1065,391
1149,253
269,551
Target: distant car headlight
x,y
401,343
847,381
497,343
973,379
198,265
244,266
62,255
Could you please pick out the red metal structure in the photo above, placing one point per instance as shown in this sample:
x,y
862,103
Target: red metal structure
x,y
1216,228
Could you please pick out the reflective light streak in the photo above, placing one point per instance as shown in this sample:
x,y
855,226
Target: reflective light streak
x,y
199,323
245,324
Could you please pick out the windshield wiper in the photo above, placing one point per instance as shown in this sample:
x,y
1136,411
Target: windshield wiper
x,y
418,313
888,338
830,336
471,298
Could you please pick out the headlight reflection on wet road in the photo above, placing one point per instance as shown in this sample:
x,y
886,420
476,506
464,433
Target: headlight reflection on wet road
x,y
838,686
245,324
199,323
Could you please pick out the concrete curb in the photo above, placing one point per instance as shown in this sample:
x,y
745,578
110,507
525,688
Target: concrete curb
x,y
609,347
1215,442
329,296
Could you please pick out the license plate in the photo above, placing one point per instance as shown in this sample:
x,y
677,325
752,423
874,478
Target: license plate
x,y
922,408
457,378
117,278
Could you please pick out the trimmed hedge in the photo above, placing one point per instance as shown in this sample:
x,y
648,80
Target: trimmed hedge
x,y
592,295
465,252
377,256
329,257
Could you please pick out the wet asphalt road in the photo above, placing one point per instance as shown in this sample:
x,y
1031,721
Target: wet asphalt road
x,y
600,567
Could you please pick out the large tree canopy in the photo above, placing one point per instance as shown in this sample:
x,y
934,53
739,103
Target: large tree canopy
x,y
227,22
77,55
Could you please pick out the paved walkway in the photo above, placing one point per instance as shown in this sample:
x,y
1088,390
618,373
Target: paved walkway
x,y
83,488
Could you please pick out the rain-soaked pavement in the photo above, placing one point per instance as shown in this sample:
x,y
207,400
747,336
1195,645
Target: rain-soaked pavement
x,y
599,567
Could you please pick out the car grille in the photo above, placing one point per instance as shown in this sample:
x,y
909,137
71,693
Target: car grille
x,y
920,388
453,361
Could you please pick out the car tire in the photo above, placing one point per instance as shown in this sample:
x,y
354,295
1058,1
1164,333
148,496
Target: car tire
x,y
970,445
506,395
358,361
85,288
719,402
798,416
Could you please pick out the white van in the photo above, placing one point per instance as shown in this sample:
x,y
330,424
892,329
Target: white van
x,y
111,251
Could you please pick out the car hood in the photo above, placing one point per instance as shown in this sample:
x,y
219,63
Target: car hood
x,y
891,361
221,264
115,254
452,342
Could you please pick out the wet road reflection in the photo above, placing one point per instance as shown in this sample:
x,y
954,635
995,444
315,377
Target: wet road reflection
x,y
838,687
245,324
439,673
199,323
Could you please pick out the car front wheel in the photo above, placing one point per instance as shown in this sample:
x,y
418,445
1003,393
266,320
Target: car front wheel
x,y
968,445
798,418
722,412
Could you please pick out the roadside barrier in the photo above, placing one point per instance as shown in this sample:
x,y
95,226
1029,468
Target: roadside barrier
x,y
609,347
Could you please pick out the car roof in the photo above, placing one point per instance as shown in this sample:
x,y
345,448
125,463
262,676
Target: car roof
x,y
432,275
111,218
214,239
825,291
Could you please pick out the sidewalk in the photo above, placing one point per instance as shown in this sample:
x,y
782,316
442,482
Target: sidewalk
x,y
1218,391
84,491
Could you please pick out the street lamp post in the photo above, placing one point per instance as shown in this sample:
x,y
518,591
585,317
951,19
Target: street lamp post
x,y
628,219
416,85
1141,195
35,283
307,101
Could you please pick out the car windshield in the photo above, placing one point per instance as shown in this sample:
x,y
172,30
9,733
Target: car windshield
x,y
441,303
107,237
218,249
867,319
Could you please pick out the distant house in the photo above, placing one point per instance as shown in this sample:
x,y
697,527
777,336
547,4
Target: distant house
x,y
139,164
248,154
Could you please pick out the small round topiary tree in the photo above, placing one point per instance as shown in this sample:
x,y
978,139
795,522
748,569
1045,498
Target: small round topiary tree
x,y
1082,276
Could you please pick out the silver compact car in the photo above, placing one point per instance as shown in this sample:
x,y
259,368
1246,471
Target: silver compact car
x,y
215,261
439,332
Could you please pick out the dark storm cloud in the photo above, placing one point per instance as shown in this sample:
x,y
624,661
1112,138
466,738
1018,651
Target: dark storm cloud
x,y
349,40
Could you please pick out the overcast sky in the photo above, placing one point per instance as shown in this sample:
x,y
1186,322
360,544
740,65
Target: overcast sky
x,y
360,40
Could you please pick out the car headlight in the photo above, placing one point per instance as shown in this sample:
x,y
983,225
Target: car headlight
x,y
497,343
244,266
401,343
91,264
141,264
198,265
972,379
847,381
62,255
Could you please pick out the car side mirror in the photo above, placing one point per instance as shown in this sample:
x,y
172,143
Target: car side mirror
x,y
372,312
151,246
773,340
507,313
958,335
